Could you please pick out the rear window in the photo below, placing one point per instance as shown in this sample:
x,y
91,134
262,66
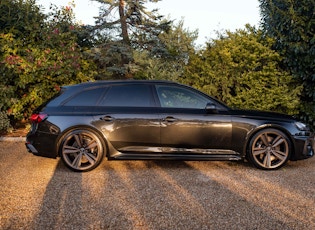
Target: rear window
x,y
128,96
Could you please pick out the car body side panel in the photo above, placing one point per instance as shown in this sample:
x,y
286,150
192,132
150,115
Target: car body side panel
x,y
248,125
189,129
129,129
242,129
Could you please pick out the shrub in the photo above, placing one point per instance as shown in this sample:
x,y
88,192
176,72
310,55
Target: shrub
x,y
4,121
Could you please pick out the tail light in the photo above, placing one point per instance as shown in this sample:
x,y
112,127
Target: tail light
x,y
38,117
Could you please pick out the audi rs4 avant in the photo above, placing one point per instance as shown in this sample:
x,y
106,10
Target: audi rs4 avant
x,y
155,120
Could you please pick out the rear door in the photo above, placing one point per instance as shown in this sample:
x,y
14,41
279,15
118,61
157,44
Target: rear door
x,y
128,117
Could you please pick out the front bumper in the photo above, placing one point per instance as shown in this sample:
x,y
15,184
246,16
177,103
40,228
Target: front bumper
x,y
310,147
304,147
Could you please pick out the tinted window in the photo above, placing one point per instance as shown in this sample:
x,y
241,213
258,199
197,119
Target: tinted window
x,y
177,97
86,98
128,96
51,101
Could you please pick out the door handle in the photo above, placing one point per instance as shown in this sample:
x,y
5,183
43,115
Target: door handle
x,y
107,118
170,119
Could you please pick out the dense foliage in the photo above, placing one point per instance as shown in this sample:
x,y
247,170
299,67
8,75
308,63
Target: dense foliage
x,y
34,65
178,45
270,68
243,71
292,25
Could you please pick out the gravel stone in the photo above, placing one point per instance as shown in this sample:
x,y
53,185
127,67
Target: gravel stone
x,y
41,193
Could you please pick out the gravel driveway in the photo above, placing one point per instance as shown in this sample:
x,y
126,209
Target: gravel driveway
x,y
40,193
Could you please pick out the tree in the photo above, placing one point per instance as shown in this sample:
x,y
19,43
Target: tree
x,y
25,21
292,25
32,69
169,65
133,28
243,71
22,18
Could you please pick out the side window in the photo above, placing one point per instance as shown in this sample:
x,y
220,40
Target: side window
x,y
177,97
88,97
128,96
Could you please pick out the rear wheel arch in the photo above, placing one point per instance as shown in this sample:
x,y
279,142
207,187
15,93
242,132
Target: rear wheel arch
x,y
66,131
93,157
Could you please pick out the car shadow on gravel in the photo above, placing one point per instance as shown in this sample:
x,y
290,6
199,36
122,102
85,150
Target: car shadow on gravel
x,y
156,195
62,199
176,194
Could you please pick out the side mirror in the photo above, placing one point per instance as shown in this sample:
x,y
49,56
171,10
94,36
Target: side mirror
x,y
211,108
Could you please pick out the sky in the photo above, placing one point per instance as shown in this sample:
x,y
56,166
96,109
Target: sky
x,y
207,16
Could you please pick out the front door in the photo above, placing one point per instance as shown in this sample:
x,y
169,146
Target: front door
x,y
187,127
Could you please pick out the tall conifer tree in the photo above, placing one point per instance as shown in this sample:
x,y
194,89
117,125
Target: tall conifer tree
x,y
292,24
127,25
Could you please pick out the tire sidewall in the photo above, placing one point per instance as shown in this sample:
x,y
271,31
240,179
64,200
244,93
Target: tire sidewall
x,y
77,130
253,139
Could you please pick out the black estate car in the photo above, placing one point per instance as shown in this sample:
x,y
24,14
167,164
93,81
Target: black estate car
x,y
153,120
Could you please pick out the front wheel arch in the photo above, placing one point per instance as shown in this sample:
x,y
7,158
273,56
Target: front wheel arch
x,y
269,148
267,126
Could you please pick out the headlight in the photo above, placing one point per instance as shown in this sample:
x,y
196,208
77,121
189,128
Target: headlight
x,y
301,126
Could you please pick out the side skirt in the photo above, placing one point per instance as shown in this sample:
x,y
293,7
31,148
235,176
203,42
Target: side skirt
x,y
172,156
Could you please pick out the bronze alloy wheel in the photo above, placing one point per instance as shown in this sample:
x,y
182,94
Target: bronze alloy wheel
x,y
269,149
82,150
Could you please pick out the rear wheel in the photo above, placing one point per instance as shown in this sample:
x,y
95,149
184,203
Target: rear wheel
x,y
81,150
269,149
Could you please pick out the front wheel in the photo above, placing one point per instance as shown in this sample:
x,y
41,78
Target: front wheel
x,y
269,149
81,150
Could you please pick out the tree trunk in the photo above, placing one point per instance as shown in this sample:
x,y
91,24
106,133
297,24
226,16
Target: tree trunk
x,y
123,22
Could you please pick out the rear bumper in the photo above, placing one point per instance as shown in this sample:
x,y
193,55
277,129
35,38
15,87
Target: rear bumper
x,y
41,144
30,148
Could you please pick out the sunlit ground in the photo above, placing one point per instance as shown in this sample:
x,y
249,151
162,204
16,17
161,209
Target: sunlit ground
x,y
41,193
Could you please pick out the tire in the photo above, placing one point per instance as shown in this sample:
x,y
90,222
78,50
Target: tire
x,y
81,150
269,149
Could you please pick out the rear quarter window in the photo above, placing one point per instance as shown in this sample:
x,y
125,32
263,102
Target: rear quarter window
x,y
51,101
89,97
